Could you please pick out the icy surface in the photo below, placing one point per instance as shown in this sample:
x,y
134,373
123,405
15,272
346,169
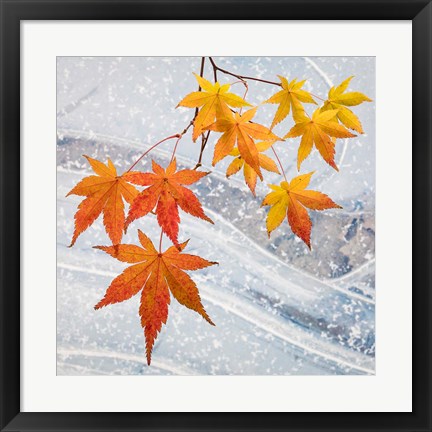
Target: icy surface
x,y
278,308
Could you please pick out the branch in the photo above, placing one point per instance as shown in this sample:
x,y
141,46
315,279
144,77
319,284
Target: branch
x,y
204,140
199,87
240,77
215,69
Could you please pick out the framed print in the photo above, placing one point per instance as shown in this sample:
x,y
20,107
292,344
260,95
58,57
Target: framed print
x,y
215,216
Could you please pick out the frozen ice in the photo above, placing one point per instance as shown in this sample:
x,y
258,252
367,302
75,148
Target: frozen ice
x,y
278,308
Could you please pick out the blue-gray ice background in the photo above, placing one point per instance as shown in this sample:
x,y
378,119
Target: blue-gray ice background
x,y
278,308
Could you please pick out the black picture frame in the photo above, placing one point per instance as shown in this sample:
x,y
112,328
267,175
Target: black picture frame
x,y
14,11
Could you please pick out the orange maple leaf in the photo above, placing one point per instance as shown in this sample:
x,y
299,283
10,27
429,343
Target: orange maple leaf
x,y
291,200
249,174
318,130
104,192
213,101
166,193
239,129
156,274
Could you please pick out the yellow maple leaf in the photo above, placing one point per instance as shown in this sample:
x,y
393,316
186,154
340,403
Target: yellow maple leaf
x,y
318,130
291,200
249,174
290,97
338,99
213,101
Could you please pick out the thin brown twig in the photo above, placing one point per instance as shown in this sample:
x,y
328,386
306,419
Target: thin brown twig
x,y
201,70
199,87
203,146
205,138
240,77
215,69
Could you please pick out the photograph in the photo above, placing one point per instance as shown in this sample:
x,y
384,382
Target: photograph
x,y
215,215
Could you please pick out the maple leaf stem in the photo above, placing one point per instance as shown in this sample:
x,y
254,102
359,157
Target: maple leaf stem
x,y
160,242
315,96
180,136
245,93
150,149
175,148
240,77
280,164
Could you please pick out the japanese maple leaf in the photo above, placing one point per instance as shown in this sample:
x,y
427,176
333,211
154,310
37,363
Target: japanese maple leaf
x,y
338,99
156,274
239,129
249,174
213,100
166,192
318,130
291,200
104,192
290,97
